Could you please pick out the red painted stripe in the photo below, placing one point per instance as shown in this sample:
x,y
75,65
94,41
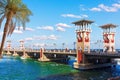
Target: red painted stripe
x,y
41,53
79,56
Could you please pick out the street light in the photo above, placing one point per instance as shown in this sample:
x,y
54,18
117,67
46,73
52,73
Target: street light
x,y
63,44
99,41
74,43
54,44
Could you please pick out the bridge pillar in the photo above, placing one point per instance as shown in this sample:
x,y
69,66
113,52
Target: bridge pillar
x,y
109,37
83,42
42,56
8,47
25,55
15,53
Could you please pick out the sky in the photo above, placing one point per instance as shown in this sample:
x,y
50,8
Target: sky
x,y
51,22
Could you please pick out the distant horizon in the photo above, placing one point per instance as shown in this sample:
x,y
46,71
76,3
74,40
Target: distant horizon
x,y
51,22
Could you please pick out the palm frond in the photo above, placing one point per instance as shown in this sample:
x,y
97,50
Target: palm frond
x,y
1,19
20,13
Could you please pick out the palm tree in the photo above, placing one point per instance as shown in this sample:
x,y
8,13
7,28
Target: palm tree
x,y
15,13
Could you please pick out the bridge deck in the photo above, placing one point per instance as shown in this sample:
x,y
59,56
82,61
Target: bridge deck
x,y
72,53
103,54
63,52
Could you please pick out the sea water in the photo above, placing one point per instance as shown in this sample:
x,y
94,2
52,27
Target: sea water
x,y
14,68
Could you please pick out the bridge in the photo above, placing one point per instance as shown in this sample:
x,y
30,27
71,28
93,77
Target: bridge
x,y
42,54
63,55
85,58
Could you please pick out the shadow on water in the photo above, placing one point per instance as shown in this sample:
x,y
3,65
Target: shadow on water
x,y
94,74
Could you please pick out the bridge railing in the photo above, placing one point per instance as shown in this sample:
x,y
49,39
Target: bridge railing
x,y
59,51
45,50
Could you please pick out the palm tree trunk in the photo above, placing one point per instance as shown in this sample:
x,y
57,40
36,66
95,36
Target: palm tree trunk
x,y
8,19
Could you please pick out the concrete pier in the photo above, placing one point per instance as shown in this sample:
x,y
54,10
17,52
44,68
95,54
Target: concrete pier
x,y
25,55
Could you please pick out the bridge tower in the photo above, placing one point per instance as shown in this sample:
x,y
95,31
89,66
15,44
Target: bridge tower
x,y
109,37
21,44
83,41
22,47
8,47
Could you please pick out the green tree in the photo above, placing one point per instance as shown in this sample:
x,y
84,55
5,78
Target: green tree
x,y
14,13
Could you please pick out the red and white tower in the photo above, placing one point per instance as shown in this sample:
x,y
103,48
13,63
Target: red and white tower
x,y
109,37
83,40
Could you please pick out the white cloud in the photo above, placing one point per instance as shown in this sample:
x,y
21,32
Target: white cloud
x,y
29,29
26,28
52,37
19,28
101,7
74,16
45,37
116,5
71,15
95,9
42,45
46,28
39,44
84,16
60,29
17,31
28,39
107,8
81,8
63,25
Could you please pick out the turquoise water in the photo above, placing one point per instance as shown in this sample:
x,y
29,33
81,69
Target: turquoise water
x,y
14,68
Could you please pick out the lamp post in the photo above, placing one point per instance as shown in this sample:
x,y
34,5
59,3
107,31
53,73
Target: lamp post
x,y
63,44
54,44
74,43
99,41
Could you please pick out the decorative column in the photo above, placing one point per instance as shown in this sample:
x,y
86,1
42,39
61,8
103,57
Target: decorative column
x,y
83,40
25,55
109,37
8,47
21,44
